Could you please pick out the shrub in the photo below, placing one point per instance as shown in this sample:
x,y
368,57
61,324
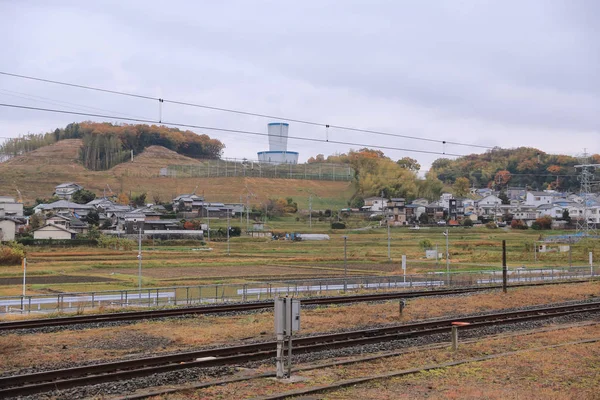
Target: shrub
x,y
468,222
115,243
10,255
518,224
426,244
491,225
338,225
542,223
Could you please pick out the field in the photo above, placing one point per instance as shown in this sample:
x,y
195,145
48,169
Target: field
x,y
36,174
52,270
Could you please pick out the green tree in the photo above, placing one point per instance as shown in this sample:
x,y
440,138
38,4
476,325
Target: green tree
x,y
93,218
36,220
139,200
502,196
461,186
409,163
566,216
424,218
83,196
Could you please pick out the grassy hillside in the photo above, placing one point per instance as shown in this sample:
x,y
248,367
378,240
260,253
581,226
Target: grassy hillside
x,y
36,173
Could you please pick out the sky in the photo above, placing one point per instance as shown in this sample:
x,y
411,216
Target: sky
x,y
490,73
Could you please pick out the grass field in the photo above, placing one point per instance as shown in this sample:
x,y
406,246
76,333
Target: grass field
x,y
67,269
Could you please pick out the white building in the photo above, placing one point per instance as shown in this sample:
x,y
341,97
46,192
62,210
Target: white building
x,y
445,200
8,228
538,198
550,210
375,204
66,190
55,232
10,207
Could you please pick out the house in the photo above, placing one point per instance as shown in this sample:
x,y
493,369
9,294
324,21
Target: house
x,y
445,200
64,207
8,228
10,207
374,204
516,193
65,191
489,206
56,232
183,202
421,201
69,222
396,211
538,198
550,210
435,211
414,211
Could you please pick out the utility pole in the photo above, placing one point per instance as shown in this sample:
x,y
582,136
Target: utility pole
x,y
504,268
228,228
208,223
139,257
310,211
24,274
447,257
247,212
389,246
345,265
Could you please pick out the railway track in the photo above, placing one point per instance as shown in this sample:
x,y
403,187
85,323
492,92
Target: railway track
x,y
28,384
222,308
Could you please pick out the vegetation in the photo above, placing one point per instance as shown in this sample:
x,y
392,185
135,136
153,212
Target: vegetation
x,y
106,145
523,166
83,196
11,255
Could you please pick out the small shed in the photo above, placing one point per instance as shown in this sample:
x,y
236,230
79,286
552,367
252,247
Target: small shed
x,y
56,232
8,227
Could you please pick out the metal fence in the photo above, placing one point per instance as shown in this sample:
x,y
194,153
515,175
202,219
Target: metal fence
x,y
233,168
256,291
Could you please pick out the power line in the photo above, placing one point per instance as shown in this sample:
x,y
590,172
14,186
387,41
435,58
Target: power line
x,y
177,124
247,113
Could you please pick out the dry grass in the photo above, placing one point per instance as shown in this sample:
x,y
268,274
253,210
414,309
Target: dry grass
x,y
560,373
210,330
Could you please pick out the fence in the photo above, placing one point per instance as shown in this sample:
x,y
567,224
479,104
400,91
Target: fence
x,y
256,291
233,168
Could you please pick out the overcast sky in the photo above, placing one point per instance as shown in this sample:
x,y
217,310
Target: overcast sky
x,y
493,73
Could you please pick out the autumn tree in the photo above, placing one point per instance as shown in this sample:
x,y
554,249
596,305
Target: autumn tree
x,y
123,199
502,178
461,187
409,163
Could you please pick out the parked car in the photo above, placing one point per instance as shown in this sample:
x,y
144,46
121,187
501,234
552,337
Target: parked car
x,y
441,223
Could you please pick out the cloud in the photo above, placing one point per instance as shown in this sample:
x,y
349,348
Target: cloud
x,y
491,73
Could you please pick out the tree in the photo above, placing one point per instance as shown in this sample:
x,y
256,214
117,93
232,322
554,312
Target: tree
x,y
356,202
430,187
139,200
503,196
83,196
123,199
468,222
36,221
424,219
461,186
93,218
566,216
409,163
502,178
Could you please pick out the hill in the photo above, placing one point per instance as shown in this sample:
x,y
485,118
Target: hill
x,y
523,166
37,172
105,145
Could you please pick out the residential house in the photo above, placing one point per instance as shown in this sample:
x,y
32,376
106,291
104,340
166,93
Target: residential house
x,y
65,191
516,193
396,211
489,206
183,202
8,228
374,204
435,211
550,210
64,207
69,222
538,198
445,200
10,207
414,211
56,232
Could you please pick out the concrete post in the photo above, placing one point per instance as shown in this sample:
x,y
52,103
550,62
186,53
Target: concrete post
x,y
454,338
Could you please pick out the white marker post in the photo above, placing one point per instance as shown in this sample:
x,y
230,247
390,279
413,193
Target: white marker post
x,y
591,264
404,266
24,274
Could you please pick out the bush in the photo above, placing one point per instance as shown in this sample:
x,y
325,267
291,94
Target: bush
x,y
542,223
11,256
491,225
468,222
426,244
115,243
518,224
338,225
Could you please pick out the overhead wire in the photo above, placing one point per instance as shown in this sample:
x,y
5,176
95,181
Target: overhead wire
x,y
247,113
225,130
